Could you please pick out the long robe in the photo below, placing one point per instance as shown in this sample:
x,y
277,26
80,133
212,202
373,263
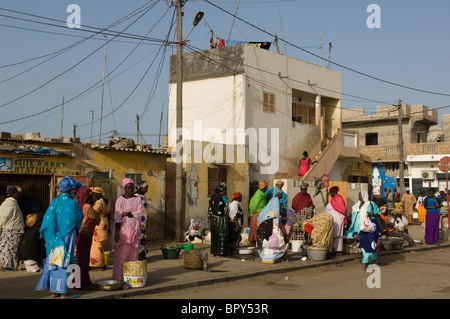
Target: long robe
x,y
127,248
410,201
337,209
256,205
218,224
60,226
421,209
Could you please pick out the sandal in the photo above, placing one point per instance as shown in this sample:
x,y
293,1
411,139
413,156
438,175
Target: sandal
x,y
69,296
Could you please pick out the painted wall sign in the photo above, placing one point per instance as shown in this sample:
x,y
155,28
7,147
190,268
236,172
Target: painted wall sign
x,y
5,164
31,166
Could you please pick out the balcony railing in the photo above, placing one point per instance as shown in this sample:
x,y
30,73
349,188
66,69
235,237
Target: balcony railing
x,y
391,152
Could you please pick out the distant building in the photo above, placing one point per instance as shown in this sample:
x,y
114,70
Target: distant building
x,y
424,143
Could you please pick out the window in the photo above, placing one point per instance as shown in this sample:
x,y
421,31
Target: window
x,y
269,102
216,175
135,177
303,113
371,138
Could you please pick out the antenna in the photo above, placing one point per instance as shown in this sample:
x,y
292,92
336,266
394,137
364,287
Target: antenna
x,y
329,54
282,32
234,18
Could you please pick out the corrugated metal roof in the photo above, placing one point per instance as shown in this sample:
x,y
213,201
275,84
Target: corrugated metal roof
x,y
138,150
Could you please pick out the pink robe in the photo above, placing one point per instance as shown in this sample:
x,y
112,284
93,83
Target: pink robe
x,y
127,248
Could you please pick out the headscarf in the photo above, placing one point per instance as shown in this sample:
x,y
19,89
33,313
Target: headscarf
x,y
235,196
141,185
262,184
221,187
334,189
97,190
272,210
279,182
365,199
66,184
276,191
304,185
126,181
82,196
11,190
31,220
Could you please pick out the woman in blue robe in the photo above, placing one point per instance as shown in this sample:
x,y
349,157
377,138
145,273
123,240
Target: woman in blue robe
x,y
60,226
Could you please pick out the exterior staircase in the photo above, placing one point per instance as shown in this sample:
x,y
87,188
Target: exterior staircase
x,y
344,144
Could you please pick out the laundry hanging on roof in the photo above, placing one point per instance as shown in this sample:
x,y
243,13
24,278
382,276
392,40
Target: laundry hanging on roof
x,y
223,43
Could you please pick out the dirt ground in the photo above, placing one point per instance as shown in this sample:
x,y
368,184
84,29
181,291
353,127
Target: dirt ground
x,y
413,275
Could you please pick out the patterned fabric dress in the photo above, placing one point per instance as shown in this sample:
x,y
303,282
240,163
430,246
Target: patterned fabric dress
x,y
296,232
11,233
97,259
218,225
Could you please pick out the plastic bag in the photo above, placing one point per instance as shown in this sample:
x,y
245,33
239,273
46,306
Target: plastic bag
x,y
56,256
367,226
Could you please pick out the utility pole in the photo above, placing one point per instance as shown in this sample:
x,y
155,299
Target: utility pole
x,y
329,54
62,116
103,90
137,128
92,121
400,147
179,122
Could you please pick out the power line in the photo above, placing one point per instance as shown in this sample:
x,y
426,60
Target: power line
x,y
69,69
332,62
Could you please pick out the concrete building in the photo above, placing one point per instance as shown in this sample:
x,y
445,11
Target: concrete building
x,y
267,106
423,144
36,165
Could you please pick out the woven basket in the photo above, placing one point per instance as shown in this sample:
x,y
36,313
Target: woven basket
x,y
192,260
135,268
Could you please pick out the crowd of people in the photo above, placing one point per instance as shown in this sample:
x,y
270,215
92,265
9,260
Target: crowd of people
x,y
73,230
273,225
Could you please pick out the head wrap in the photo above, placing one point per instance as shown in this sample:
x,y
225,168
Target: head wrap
x,y
276,191
31,220
221,187
82,196
279,182
235,196
11,190
66,184
126,181
77,184
262,184
304,185
141,185
97,190
389,189
308,228
334,189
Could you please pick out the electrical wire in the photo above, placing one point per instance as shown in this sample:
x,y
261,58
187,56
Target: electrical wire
x,y
69,69
331,62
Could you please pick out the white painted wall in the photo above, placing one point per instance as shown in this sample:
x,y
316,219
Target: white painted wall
x,y
237,102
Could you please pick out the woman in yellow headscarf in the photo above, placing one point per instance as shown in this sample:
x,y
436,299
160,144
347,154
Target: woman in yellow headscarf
x,y
101,207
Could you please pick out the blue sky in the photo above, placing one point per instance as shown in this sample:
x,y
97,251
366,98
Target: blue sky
x,y
411,48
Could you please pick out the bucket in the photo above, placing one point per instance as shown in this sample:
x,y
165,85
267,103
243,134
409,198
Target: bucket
x,y
135,281
170,253
106,258
296,246
416,215
188,246
317,252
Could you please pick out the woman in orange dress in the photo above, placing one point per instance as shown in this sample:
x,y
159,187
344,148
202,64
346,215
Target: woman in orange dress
x,y
101,206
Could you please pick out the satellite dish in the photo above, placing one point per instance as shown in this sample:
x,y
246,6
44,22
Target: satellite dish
x,y
198,18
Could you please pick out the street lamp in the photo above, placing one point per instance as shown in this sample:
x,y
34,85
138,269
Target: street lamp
x,y
179,117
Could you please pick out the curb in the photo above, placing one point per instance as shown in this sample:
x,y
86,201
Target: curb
x,y
282,268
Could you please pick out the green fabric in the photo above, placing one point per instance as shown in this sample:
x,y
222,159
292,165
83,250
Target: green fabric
x,y
257,203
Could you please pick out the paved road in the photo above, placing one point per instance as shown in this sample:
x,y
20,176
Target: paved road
x,y
424,274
